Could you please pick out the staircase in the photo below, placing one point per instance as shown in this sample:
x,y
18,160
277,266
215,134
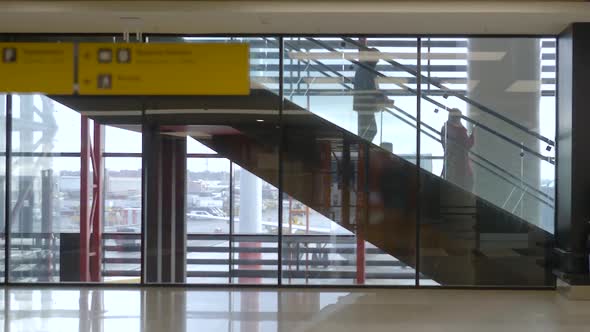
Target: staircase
x,y
457,248
452,236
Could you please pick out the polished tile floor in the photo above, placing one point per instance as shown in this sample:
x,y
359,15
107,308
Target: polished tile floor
x,y
245,310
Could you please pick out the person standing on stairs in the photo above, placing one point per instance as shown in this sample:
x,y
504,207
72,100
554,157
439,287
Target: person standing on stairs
x,y
367,99
456,143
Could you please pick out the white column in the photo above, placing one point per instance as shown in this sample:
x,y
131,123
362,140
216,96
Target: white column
x,y
250,203
505,76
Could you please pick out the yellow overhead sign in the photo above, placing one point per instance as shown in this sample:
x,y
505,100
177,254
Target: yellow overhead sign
x,y
37,67
163,69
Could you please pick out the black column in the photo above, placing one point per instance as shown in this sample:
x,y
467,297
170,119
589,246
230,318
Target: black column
x,y
164,219
178,213
46,272
151,190
573,157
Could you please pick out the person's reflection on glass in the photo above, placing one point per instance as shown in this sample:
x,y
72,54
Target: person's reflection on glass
x,y
367,99
456,143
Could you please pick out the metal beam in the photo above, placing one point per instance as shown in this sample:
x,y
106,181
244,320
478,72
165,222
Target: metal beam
x,y
97,213
84,189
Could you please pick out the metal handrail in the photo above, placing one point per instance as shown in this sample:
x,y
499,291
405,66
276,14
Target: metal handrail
x,y
438,84
526,185
298,82
505,177
442,106
319,63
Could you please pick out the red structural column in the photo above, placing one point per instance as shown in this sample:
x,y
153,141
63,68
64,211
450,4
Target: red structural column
x,y
91,215
97,213
346,171
252,254
360,215
84,211
360,258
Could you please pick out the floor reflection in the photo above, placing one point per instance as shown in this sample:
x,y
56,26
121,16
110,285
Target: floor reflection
x,y
159,309
249,310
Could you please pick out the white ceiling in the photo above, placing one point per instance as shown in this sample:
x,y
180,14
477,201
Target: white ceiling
x,y
363,17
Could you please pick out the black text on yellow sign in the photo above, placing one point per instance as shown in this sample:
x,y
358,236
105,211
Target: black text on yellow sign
x,y
163,69
37,67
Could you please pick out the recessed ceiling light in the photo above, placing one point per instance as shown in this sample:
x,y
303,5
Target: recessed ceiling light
x,y
259,120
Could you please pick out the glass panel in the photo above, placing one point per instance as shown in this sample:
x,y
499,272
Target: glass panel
x,y
45,197
123,139
487,195
247,134
498,86
122,216
254,239
207,218
45,205
57,125
349,183
193,146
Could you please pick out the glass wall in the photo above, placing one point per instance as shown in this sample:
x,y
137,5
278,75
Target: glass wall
x,y
311,179
231,199
489,119
45,186
46,191
498,102
44,181
337,199
256,227
122,203
485,152
207,217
